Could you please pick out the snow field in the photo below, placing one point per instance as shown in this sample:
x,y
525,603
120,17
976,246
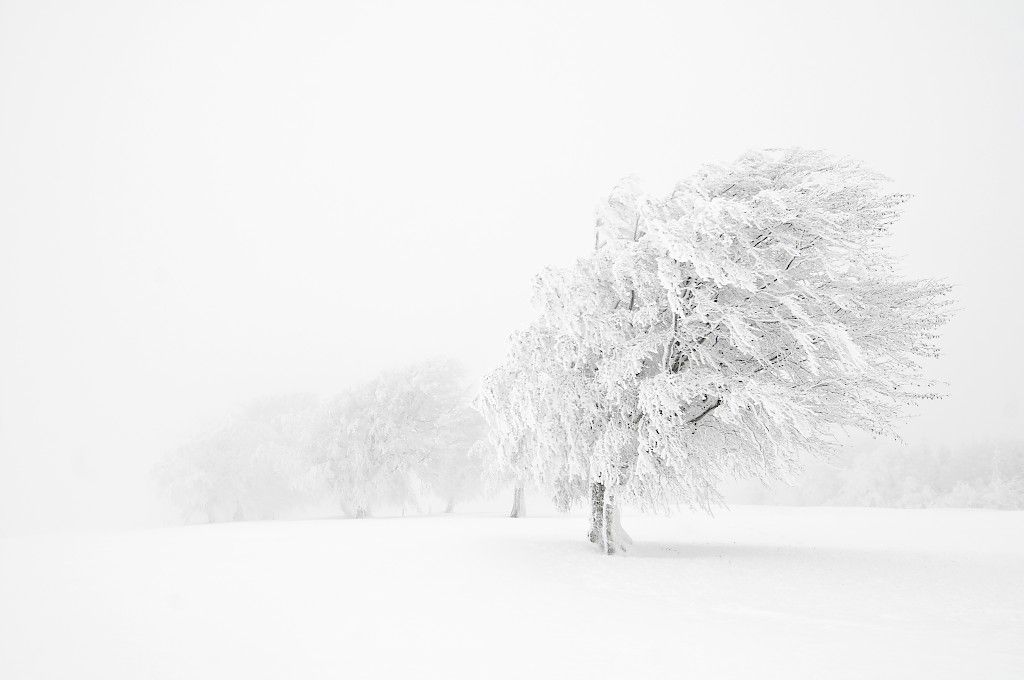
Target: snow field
x,y
754,592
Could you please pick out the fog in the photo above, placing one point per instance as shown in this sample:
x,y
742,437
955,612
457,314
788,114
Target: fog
x,y
204,203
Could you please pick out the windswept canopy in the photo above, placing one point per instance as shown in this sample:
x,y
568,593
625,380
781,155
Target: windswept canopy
x,y
726,328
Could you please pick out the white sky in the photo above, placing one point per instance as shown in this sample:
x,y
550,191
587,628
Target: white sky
x,y
202,202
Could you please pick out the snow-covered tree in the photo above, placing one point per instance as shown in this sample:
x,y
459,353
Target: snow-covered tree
x,y
372,449
400,436
394,441
245,467
514,399
453,469
725,329
450,431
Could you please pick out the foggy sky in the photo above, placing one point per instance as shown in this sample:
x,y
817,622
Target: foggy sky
x,y
204,202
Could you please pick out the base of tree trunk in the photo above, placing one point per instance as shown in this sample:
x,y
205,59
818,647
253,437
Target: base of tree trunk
x,y
605,526
518,503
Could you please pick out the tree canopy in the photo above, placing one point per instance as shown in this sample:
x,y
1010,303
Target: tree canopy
x,y
724,329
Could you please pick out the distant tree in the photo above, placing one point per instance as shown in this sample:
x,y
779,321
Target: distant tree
x,y
724,329
245,467
450,431
400,436
511,399
370,460
453,469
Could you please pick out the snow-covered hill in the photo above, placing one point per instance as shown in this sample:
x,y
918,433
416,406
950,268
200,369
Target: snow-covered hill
x,y
753,593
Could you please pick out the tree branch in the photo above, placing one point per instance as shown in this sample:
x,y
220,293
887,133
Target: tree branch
x,y
696,419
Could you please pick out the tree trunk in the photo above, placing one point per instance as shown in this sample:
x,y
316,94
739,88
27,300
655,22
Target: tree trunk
x,y
448,509
596,512
518,502
605,526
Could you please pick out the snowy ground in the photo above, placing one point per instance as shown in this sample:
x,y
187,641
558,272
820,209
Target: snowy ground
x,y
754,593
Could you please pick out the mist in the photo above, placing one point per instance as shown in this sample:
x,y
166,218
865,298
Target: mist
x,y
206,203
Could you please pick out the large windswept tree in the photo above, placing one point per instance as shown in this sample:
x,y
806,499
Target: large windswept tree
x,y
725,329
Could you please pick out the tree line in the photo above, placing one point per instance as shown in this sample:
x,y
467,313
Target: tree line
x,y
400,440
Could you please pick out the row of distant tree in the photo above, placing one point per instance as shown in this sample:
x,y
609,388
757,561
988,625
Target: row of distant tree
x,y
402,440
987,474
